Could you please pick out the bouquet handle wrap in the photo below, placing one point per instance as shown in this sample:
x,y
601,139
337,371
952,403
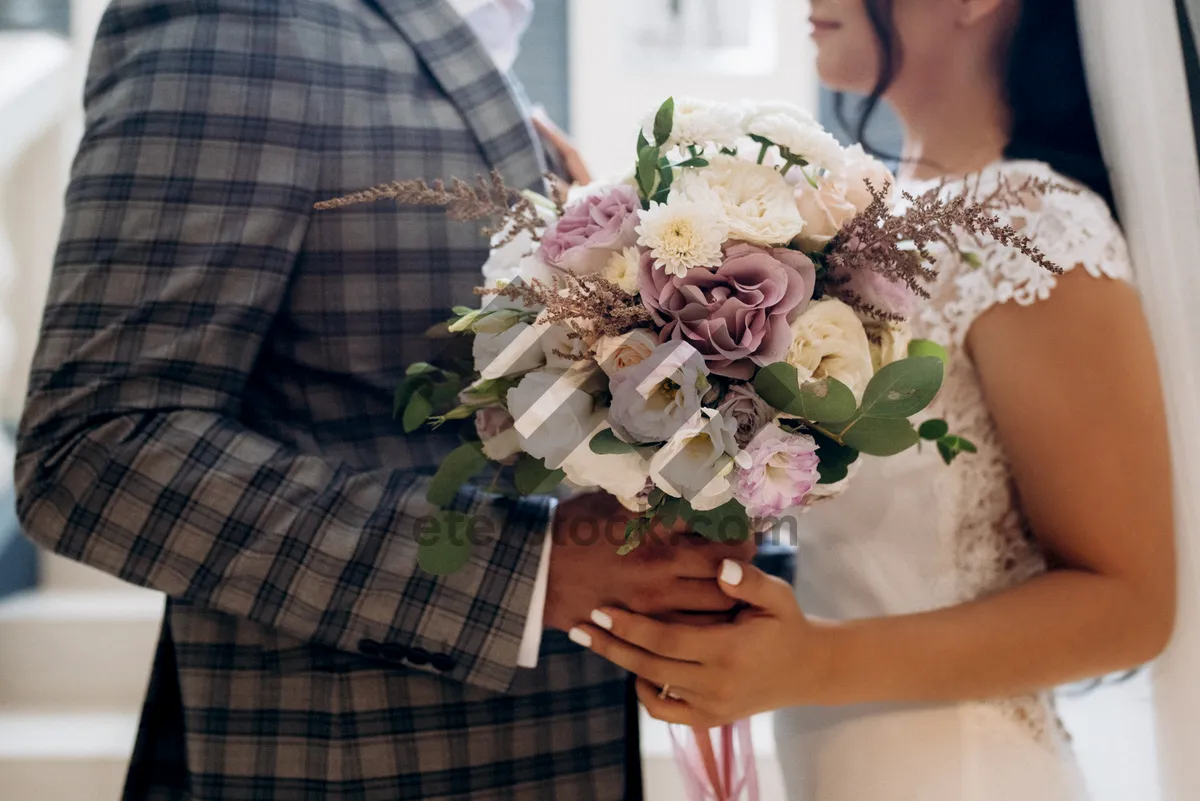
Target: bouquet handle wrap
x,y
725,773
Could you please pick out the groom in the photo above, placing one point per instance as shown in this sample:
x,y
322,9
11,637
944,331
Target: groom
x,y
210,416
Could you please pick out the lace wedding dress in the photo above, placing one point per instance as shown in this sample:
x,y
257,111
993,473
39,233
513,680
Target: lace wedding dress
x,y
912,534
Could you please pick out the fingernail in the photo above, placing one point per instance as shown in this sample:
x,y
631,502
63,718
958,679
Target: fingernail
x,y
602,620
731,573
580,638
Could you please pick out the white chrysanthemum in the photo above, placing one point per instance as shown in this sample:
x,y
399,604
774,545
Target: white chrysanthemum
x,y
684,232
760,205
624,268
701,123
796,131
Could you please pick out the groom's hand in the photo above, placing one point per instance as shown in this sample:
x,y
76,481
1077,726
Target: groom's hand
x,y
669,574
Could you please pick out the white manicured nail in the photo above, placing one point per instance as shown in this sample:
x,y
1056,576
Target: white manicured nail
x,y
580,638
602,620
731,573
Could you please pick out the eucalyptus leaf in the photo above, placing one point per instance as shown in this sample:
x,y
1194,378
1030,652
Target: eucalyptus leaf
x,y
607,443
463,464
444,394
880,436
825,400
927,347
417,412
445,545
408,387
532,477
950,447
832,474
933,430
664,122
728,523
903,388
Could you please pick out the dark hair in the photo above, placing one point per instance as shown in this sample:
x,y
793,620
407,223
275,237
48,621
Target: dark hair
x,y
1052,118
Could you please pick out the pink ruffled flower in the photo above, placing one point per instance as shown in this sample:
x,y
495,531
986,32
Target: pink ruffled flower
x,y
781,472
585,238
737,316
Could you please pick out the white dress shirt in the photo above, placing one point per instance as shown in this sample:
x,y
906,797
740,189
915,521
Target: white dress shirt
x,y
499,25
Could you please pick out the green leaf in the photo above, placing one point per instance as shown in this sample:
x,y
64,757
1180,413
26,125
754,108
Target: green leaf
x,y
461,311
835,458
405,391
832,474
903,388
664,122
728,523
876,436
421,368
825,400
417,412
972,259
670,510
445,545
532,477
607,443
933,430
444,394
919,348
463,464
693,162
643,142
950,447
647,171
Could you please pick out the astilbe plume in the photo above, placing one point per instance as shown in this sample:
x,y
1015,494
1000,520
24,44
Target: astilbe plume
x,y
897,246
591,306
507,210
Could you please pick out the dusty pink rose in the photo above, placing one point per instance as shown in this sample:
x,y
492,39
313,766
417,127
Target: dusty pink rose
x,y
782,471
738,315
495,428
585,238
748,410
825,210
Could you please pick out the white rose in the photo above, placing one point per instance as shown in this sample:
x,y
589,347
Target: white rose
x,y
552,415
623,475
505,261
825,210
513,352
697,463
617,353
860,167
829,340
759,204
889,342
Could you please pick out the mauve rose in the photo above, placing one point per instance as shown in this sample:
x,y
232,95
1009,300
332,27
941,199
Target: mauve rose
x,y
589,232
751,413
738,315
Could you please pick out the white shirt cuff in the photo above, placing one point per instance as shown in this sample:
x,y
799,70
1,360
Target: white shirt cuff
x,y
531,641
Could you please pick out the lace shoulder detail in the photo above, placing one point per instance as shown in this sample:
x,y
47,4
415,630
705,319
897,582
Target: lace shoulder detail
x,y
1073,228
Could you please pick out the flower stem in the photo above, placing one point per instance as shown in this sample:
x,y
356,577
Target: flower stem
x,y
762,153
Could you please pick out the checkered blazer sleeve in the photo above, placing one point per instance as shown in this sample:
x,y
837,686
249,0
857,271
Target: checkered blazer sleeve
x,y
189,202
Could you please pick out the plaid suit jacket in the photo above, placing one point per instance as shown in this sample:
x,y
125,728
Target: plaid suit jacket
x,y
210,411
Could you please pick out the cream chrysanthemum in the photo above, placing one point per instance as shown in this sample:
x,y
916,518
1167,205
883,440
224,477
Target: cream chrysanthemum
x,y
759,204
684,232
623,269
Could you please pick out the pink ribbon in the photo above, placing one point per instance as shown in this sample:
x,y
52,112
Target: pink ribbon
x,y
727,773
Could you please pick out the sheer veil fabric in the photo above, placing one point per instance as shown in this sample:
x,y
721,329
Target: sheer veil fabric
x,y
1140,96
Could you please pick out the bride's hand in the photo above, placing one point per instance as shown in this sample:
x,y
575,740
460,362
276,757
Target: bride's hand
x,y
769,657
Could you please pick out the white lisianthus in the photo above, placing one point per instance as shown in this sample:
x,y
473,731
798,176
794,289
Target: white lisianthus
x,y
614,353
794,129
563,347
859,167
829,340
759,204
505,262
697,463
552,415
624,269
509,353
622,475
889,342
701,123
684,232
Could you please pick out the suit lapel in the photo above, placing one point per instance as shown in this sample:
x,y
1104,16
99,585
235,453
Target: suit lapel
x,y
487,100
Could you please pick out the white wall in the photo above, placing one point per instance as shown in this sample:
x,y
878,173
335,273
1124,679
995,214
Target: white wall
x,y
609,97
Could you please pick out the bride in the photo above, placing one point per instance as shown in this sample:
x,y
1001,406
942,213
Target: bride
x,y
935,607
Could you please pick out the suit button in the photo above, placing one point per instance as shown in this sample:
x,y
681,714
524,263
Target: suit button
x,y
419,657
369,648
442,662
394,653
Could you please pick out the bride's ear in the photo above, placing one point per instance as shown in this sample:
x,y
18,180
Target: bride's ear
x,y
972,12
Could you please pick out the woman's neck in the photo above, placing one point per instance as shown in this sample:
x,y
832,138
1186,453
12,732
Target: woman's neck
x,y
953,132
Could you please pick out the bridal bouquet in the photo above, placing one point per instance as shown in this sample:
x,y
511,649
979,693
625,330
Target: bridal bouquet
x,y
714,339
